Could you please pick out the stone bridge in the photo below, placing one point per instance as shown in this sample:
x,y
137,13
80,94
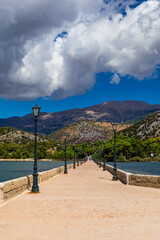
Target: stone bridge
x,y
84,204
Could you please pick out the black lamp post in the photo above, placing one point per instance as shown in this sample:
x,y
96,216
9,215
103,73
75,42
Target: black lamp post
x,y
65,162
35,187
74,163
115,163
104,162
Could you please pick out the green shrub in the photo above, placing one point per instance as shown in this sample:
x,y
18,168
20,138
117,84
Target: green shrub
x,y
136,159
148,159
156,159
122,158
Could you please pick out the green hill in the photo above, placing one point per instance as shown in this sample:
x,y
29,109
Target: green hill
x,y
145,129
8,134
85,131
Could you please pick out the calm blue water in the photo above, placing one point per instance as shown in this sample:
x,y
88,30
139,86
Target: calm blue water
x,y
10,170
150,168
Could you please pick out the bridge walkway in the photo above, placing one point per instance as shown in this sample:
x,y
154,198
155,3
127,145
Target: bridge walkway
x,y
83,205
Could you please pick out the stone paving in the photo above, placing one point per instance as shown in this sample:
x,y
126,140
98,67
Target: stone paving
x,y
84,204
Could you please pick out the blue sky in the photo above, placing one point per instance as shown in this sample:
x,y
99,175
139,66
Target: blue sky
x,y
73,59
146,90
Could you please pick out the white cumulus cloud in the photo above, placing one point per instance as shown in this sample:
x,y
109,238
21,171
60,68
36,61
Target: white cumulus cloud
x,y
99,39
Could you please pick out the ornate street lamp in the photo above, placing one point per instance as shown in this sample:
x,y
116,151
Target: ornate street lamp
x,y
65,162
104,163
115,163
74,163
35,187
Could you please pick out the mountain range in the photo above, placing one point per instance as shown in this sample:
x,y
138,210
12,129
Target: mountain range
x,y
112,111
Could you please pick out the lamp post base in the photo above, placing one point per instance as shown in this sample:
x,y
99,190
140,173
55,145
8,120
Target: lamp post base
x,y
35,189
74,164
65,172
104,168
115,178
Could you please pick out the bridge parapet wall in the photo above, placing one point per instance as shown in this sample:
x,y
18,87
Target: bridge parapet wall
x,y
136,179
11,188
144,180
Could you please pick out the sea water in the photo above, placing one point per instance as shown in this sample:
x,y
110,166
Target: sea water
x,y
11,170
146,168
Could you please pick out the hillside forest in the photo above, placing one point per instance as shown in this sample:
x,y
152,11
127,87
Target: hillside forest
x,y
127,149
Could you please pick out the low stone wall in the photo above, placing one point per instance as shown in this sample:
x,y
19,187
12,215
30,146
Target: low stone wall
x,y
136,179
14,187
144,180
122,176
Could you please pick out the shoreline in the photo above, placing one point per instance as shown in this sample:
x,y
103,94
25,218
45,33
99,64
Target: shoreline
x,y
54,160
29,160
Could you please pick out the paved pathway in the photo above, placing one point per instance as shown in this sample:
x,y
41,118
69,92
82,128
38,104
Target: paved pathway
x,y
85,204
